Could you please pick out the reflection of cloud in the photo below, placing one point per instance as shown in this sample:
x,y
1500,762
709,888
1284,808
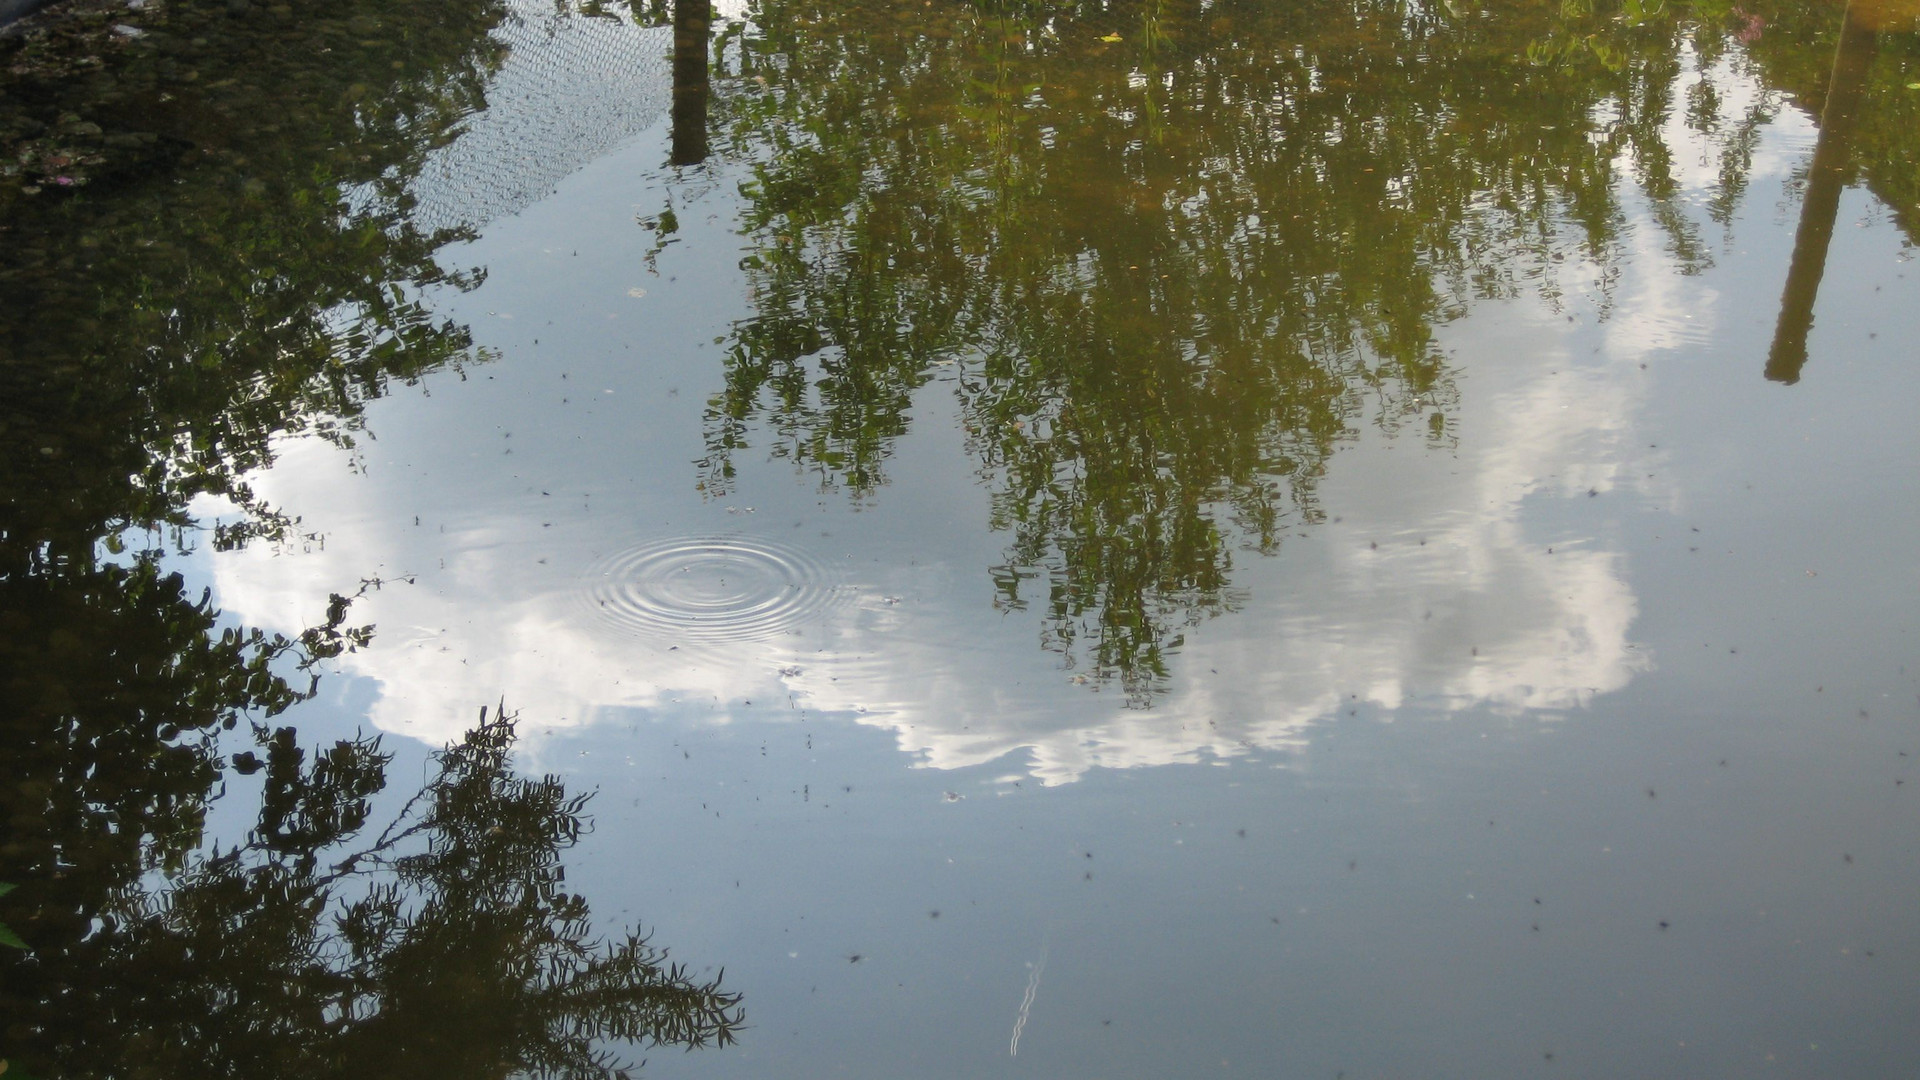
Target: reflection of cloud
x,y
1445,581
1429,590
1483,577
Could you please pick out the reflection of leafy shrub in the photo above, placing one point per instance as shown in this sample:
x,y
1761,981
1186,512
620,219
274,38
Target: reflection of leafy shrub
x,y
7,936
241,269
445,945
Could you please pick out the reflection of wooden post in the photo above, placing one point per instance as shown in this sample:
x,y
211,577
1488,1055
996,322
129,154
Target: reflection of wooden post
x,y
691,20
1825,179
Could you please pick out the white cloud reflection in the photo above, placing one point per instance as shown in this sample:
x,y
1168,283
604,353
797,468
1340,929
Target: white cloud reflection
x,y
1489,574
1444,580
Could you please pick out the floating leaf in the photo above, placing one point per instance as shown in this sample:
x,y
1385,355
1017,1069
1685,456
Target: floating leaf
x,y
1111,37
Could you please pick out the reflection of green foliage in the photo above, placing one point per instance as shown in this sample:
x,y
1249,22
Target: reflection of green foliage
x,y
1166,256
445,945
207,289
233,263
117,681
7,936
202,288
205,292
649,12
1793,46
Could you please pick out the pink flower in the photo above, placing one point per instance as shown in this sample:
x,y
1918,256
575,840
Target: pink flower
x,y
63,181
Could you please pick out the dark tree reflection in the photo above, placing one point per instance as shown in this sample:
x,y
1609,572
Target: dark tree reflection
x,y
446,944
1831,169
231,260
199,289
205,245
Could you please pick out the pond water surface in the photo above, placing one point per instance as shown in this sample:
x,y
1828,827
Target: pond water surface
x,y
1159,538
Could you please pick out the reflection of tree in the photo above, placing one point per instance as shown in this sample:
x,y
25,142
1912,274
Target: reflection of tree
x,y
1172,253
204,285
204,291
203,288
1827,174
1867,120
118,681
1796,47
445,945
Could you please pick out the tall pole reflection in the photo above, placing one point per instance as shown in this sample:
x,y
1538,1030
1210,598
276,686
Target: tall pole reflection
x,y
691,22
1832,163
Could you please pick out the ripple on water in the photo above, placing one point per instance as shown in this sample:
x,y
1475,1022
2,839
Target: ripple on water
x,y
711,589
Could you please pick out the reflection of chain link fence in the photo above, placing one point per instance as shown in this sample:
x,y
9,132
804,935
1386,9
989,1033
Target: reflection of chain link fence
x,y
572,88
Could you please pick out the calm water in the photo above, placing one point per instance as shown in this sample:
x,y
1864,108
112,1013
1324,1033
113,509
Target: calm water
x,y
1151,539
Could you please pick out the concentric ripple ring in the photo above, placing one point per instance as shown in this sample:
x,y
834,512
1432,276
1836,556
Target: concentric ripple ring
x,y
711,589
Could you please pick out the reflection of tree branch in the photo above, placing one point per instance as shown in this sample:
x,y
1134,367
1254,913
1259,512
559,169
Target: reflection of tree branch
x,y
458,953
